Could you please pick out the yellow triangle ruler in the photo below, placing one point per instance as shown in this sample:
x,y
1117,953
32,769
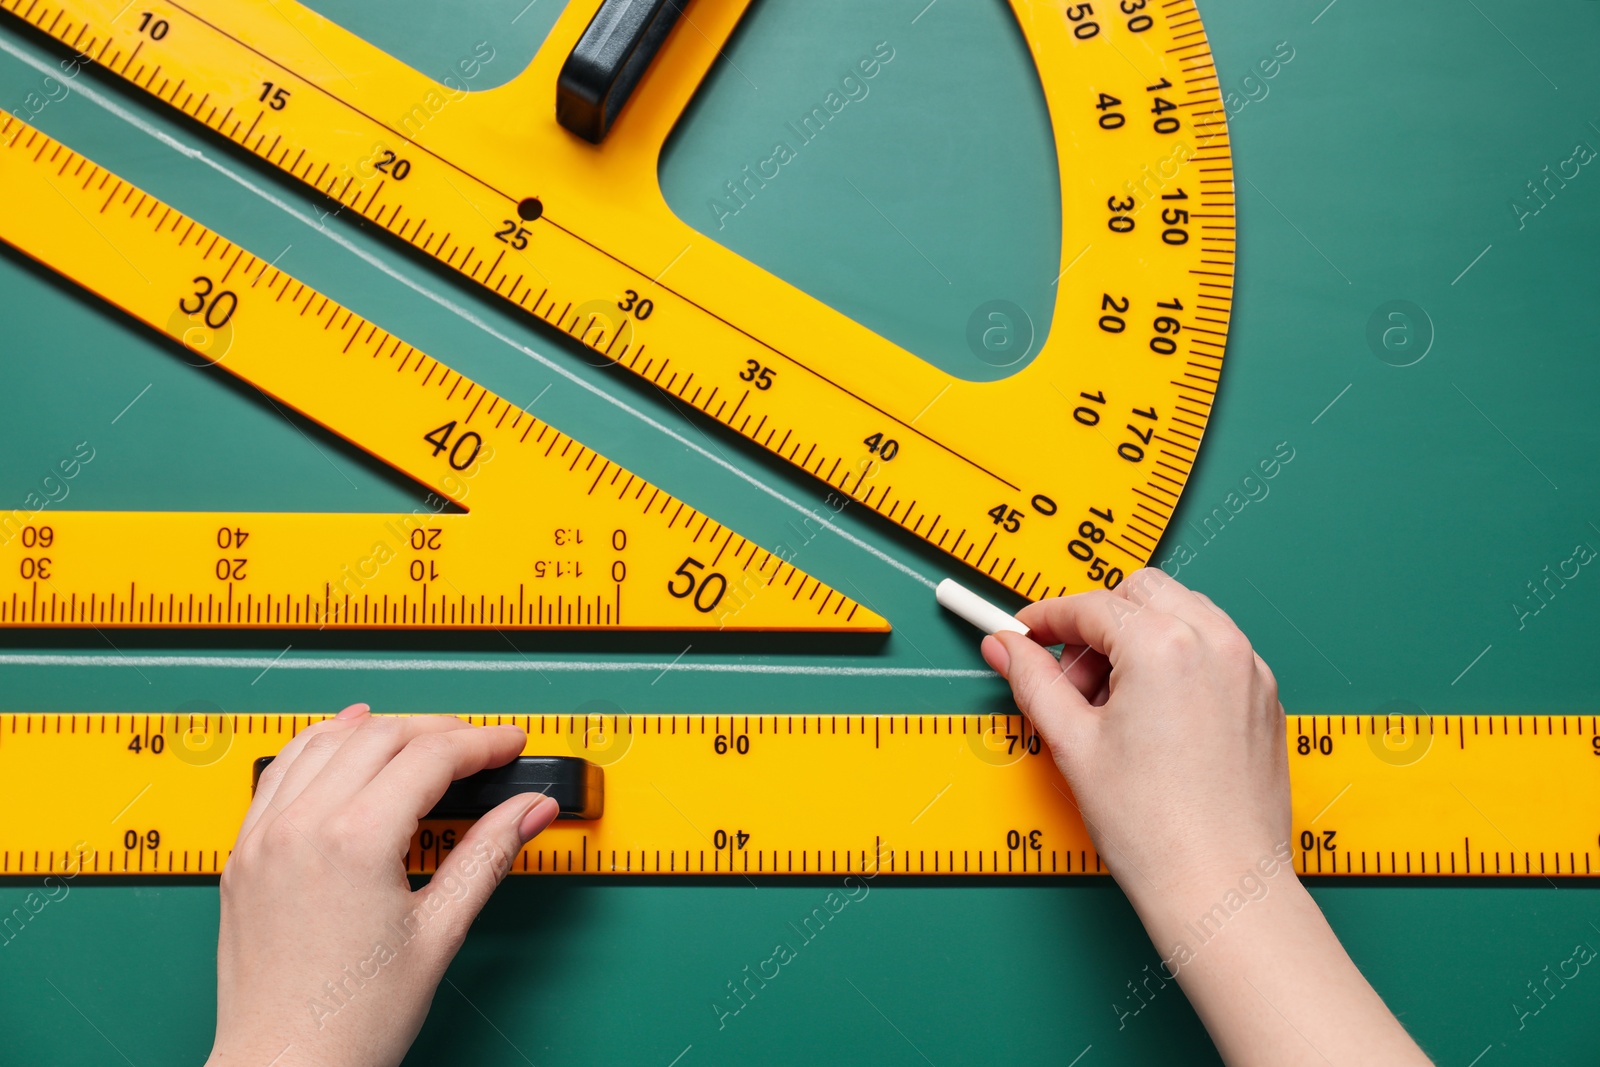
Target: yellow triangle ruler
x,y
1058,478
827,794
554,535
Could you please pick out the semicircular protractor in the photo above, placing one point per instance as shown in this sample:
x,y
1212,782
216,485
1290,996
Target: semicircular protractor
x,y
1058,478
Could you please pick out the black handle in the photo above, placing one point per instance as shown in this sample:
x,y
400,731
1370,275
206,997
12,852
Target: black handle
x,y
577,785
608,61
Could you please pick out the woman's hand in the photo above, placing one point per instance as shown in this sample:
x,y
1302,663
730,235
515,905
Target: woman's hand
x,y
326,956
1168,728
1167,725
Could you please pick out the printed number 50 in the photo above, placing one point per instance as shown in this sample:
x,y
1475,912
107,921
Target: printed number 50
x,y
707,590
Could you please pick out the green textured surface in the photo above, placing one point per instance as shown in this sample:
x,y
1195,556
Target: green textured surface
x,y
1388,554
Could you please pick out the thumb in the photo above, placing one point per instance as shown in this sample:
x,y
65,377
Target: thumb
x,y
478,864
1042,690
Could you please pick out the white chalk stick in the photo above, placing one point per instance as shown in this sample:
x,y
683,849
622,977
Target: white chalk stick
x,y
976,610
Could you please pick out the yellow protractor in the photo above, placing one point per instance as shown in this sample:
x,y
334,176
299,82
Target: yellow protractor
x,y
755,795
554,535
1058,478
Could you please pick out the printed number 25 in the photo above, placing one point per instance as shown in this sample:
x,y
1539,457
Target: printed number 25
x,y
513,235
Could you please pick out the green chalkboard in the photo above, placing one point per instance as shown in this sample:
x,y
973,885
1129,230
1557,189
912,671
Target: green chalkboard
x,y
1415,320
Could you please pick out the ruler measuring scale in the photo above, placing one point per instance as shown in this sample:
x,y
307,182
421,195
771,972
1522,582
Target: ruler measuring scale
x,y
581,237
819,794
555,536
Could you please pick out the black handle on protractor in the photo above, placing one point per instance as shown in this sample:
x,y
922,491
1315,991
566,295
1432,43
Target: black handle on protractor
x,y
608,61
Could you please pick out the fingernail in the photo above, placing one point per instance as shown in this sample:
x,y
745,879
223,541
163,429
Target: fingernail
x,y
353,711
995,654
540,813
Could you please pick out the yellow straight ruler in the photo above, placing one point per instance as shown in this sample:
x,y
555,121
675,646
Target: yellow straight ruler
x,y
553,535
825,794
1058,478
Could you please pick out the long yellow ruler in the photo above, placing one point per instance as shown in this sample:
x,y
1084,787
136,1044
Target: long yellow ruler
x,y
827,794
1058,478
553,535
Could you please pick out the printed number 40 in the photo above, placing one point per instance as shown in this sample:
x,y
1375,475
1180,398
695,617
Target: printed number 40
x,y
463,451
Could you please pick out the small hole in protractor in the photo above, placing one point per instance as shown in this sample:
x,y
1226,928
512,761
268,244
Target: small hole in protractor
x,y
530,209
841,155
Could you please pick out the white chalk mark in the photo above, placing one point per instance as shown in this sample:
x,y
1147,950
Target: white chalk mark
x,y
1474,263
1332,402
479,666
1473,664
132,402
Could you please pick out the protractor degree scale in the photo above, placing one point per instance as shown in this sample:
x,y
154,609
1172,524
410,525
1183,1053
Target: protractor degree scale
x,y
1434,795
554,535
1059,478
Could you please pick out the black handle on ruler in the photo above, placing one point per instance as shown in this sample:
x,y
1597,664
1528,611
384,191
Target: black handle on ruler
x,y
577,785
